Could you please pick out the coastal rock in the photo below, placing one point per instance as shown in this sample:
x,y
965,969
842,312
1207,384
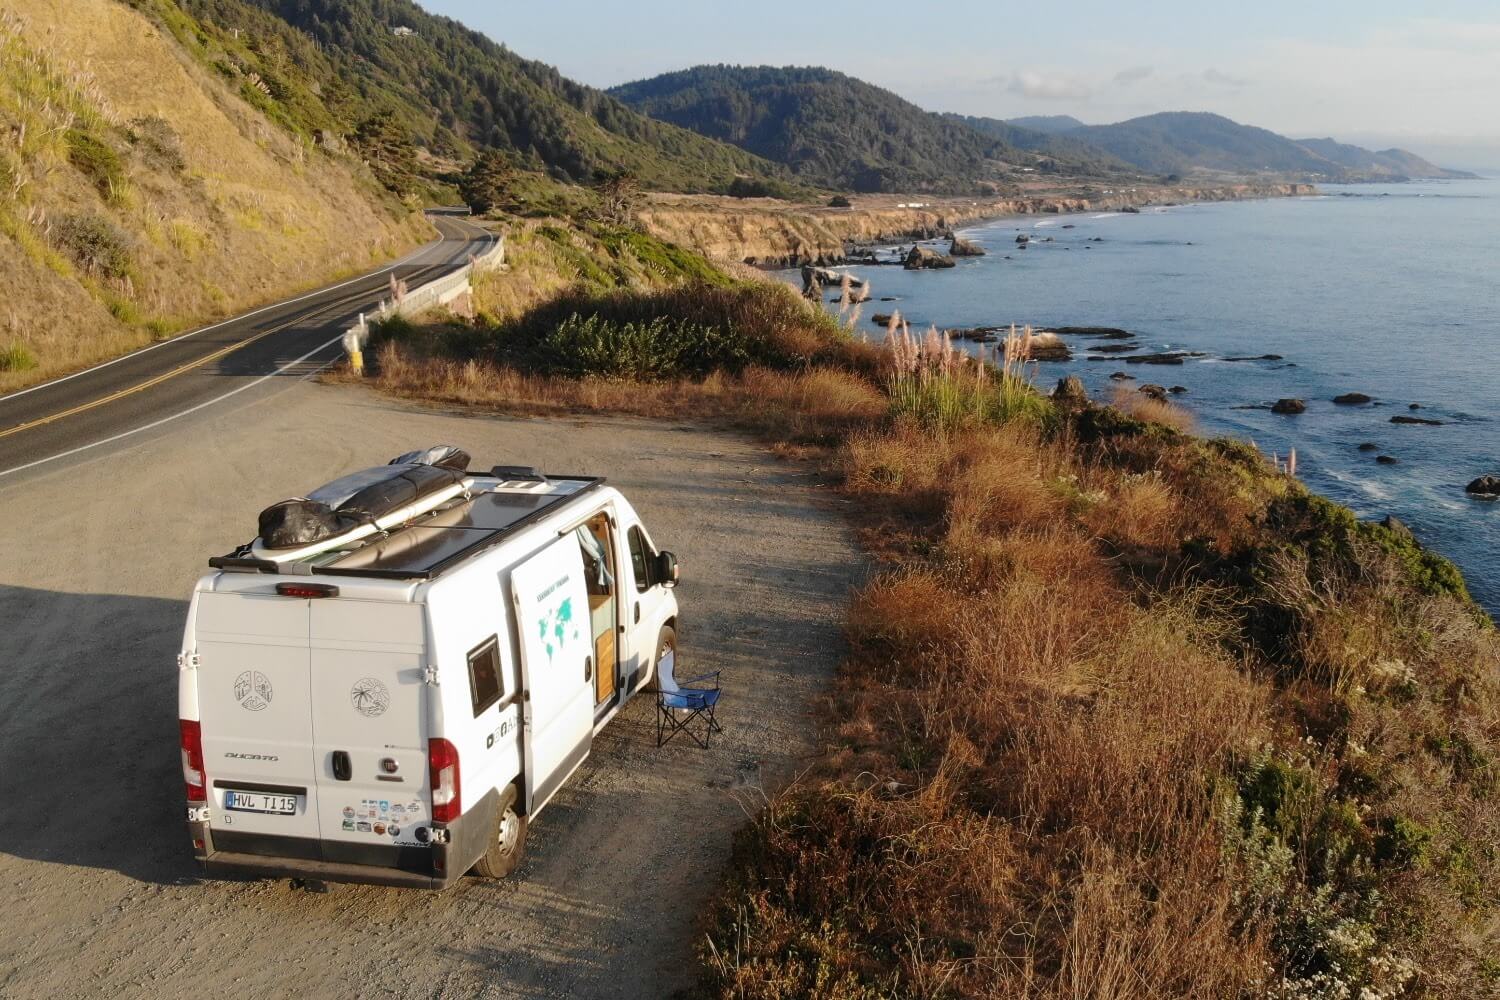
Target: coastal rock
x,y
1258,357
1393,523
1385,460
816,278
1352,399
1070,390
1122,377
1165,358
965,248
1485,486
1023,239
1289,405
1046,347
1115,348
922,258
1178,390
1154,391
881,319
1102,332
1131,210
1413,406
1403,419
1369,446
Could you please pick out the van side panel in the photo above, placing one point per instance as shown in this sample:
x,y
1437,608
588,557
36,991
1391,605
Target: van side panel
x,y
468,611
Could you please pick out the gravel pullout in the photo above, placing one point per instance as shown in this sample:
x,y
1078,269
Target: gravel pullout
x,y
102,896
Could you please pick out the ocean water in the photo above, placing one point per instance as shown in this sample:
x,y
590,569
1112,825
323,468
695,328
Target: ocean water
x,y
1393,291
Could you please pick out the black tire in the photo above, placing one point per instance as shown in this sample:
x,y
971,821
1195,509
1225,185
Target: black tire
x,y
667,640
507,842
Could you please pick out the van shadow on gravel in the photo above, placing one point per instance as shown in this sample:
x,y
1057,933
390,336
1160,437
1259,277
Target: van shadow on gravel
x,y
88,742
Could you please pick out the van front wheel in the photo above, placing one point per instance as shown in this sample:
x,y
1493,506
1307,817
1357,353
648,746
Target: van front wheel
x,y
506,844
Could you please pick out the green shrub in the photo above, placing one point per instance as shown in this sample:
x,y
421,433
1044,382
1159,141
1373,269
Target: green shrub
x,y
687,329
99,247
95,159
656,348
838,201
16,357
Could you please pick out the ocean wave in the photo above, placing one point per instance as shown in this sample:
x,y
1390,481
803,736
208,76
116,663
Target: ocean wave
x,y
1107,215
1043,224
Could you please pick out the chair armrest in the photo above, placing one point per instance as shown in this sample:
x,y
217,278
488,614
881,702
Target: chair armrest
x,y
701,677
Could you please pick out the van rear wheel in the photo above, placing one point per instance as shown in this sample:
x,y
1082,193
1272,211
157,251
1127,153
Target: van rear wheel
x,y
507,843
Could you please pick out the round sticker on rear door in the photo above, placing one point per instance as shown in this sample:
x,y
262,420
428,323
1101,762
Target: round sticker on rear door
x,y
252,689
369,697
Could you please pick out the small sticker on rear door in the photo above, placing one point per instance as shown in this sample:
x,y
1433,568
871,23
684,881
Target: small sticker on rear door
x,y
252,689
369,697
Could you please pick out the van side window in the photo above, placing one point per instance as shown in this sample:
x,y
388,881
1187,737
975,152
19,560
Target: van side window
x,y
484,675
640,560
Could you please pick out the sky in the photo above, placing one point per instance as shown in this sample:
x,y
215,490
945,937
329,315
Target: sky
x,y
1425,76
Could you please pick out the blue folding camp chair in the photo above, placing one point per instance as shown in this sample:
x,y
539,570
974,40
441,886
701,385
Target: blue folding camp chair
x,y
678,704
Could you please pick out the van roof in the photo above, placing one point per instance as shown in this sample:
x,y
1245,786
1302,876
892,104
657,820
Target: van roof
x,y
496,506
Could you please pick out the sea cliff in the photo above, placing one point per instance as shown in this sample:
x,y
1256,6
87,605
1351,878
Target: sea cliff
x,y
771,233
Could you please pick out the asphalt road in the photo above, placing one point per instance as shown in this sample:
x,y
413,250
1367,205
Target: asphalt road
x,y
156,383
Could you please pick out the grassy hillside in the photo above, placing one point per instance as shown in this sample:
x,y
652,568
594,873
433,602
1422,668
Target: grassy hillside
x,y
415,102
833,129
1183,141
139,195
1068,153
1398,164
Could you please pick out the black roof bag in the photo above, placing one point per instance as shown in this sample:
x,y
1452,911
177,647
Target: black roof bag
x,y
360,498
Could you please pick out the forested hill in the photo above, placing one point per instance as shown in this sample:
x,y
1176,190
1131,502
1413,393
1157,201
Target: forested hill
x,y
832,129
384,72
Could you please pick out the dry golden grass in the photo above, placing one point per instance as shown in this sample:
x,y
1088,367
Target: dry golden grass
x,y
1157,411
1126,714
249,215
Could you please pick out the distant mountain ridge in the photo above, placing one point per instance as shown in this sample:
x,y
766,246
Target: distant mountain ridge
x,y
1184,141
833,129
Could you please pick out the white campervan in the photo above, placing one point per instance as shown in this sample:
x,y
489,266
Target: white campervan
x,y
405,666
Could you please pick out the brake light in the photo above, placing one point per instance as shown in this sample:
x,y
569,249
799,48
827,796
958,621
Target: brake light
x,y
442,766
192,760
307,590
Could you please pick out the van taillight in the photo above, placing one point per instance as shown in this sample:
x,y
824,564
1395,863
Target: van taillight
x,y
442,766
192,760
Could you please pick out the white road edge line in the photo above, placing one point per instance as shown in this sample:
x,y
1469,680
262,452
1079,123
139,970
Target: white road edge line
x,y
223,322
190,410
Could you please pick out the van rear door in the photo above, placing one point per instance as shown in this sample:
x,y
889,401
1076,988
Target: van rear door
x,y
253,702
370,731
557,666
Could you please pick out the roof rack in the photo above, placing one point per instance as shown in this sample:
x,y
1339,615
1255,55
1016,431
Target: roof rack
x,y
503,502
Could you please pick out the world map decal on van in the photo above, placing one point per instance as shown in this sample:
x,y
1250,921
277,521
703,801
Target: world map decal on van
x,y
553,627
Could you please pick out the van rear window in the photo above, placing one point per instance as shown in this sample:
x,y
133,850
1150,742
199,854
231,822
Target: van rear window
x,y
484,675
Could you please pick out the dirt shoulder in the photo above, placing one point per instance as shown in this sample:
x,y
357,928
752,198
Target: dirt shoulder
x,y
100,557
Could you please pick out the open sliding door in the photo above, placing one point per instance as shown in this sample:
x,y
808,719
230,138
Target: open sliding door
x,y
557,666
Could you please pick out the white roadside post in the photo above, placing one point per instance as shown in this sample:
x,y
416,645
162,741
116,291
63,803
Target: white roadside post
x,y
354,342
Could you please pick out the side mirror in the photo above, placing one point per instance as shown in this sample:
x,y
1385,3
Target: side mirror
x,y
665,570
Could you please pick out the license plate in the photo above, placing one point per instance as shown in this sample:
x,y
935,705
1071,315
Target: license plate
x,y
260,802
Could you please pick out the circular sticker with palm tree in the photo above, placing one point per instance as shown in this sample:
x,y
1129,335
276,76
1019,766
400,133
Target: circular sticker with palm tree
x,y
369,697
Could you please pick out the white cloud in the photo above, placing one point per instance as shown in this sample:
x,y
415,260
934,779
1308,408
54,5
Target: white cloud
x,y
1222,79
1133,74
1049,86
